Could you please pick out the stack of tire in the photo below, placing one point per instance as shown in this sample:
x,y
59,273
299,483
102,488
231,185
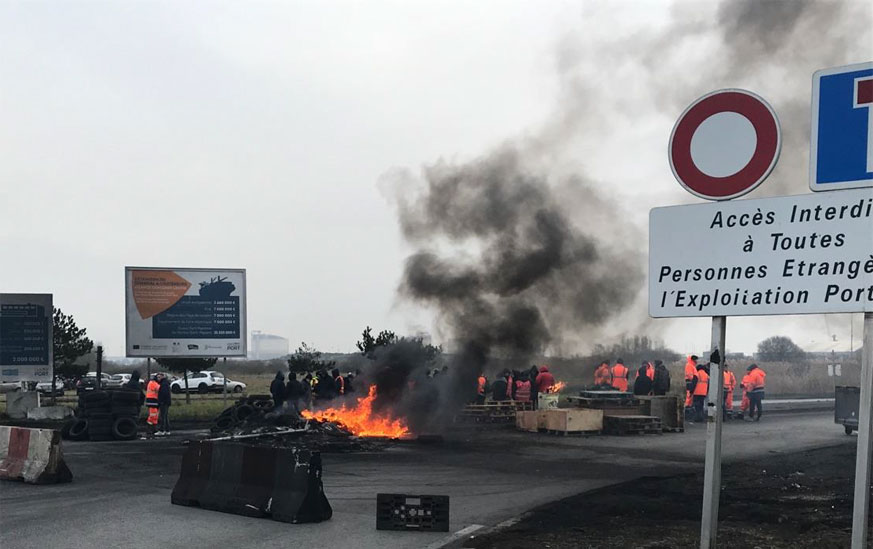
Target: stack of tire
x,y
105,415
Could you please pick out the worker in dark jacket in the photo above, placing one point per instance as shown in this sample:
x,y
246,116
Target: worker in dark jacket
x,y
134,385
164,400
499,387
643,383
661,383
294,393
277,389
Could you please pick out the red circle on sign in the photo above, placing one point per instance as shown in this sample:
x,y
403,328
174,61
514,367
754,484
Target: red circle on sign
x,y
767,148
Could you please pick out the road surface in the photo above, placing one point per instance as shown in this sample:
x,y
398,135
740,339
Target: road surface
x,y
120,494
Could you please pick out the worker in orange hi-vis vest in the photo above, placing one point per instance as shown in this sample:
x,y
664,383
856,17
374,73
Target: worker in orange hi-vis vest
x,y
744,405
602,376
619,375
151,401
730,383
690,376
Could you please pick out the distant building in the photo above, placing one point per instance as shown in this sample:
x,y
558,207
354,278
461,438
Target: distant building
x,y
267,346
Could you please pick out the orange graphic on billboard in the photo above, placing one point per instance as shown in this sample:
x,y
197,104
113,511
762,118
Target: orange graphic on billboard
x,y
156,291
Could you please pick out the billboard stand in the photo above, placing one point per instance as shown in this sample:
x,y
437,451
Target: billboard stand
x,y
712,468
224,371
865,441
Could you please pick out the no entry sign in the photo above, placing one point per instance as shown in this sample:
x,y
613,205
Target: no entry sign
x,y
725,144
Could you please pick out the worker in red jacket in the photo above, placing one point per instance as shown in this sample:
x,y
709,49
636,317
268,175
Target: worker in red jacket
x,y
545,379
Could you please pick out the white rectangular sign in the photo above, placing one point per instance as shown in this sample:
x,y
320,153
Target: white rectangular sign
x,y
185,312
26,346
809,253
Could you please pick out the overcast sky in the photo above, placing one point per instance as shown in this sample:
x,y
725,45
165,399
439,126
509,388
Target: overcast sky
x,y
258,135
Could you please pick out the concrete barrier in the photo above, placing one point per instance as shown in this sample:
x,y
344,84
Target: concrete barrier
x,y
18,403
32,455
50,412
256,481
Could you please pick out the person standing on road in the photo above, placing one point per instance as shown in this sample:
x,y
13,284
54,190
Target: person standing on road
x,y
294,393
756,391
164,399
500,389
730,382
701,389
277,390
151,401
744,405
690,376
643,383
661,383
134,385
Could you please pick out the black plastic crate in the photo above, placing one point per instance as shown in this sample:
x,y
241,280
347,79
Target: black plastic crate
x,y
407,512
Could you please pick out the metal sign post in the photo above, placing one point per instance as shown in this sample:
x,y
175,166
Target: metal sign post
x,y
224,371
865,441
714,410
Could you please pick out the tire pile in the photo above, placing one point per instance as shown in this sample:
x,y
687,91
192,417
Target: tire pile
x,y
250,413
105,415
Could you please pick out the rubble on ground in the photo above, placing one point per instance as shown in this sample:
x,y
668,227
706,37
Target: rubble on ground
x,y
254,420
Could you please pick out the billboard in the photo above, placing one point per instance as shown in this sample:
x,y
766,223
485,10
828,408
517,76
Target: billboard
x,y
26,349
184,312
810,253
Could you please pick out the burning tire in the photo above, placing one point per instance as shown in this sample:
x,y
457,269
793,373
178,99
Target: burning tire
x,y
78,429
124,428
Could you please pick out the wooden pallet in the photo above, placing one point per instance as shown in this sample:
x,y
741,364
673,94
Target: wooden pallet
x,y
631,425
570,433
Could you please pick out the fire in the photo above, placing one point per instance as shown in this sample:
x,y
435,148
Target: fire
x,y
361,420
557,387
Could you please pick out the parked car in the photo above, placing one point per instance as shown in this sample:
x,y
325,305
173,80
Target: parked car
x,y
45,387
89,382
206,381
118,380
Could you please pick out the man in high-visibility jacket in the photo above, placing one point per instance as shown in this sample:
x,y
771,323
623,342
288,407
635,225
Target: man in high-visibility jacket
x,y
730,382
151,401
619,375
690,376
756,391
481,387
744,405
601,374
701,389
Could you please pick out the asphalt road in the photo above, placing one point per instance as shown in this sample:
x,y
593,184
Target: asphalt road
x,y
120,494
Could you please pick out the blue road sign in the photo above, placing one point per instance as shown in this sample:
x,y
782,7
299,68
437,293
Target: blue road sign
x,y
841,143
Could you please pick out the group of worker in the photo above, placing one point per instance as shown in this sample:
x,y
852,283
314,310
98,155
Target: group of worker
x,y
652,378
300,394
697,388
519,385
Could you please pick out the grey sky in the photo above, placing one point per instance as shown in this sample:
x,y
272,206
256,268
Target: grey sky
x,y
258,135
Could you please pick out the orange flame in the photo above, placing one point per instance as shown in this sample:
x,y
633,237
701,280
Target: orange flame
x,y
557,387
361,420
